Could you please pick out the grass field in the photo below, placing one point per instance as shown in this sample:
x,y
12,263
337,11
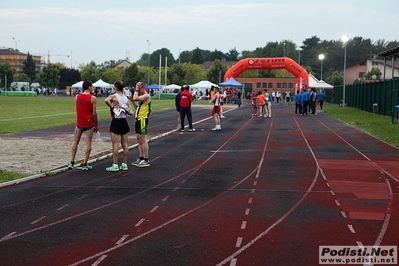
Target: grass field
x,y
28,113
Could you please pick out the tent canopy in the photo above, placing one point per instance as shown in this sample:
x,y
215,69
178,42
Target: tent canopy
x,y
321,84
172,87
203,84
78,85
153,87
231,83
102,84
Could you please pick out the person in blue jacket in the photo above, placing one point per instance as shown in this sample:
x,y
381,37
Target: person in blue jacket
x,y
298,102
305,100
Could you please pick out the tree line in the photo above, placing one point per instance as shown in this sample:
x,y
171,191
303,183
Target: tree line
x,y
186,69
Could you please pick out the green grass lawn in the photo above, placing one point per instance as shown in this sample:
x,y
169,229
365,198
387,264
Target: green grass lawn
x,y
373,124
28,113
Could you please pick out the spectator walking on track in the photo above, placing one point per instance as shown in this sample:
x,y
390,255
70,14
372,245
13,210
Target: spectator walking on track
x,y
143,111
178,107
186,99
86,121
119,107
216,110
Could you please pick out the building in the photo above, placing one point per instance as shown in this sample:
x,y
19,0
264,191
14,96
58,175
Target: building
x,y
358,70
17,59
124,64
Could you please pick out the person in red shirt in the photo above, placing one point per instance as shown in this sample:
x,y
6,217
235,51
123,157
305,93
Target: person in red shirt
x,y
262,104
86,121
185,108
253,101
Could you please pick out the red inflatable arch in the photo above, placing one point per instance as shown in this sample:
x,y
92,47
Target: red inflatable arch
x,y
270,63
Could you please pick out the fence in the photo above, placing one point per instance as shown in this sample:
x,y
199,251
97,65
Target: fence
x,y
378,97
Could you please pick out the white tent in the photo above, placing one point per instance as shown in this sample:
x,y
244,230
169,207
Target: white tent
x,y
78,85
321,84
172,87
312,80
102,84
202,85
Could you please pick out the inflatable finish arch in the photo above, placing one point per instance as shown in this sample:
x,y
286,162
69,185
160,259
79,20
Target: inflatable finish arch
x,y
270,63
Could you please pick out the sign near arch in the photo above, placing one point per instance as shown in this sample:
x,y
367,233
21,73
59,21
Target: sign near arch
x,y
270,63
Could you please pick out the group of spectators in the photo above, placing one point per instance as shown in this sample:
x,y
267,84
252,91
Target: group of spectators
x,y
309,101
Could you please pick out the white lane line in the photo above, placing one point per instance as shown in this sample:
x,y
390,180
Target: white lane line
x,y
62,207
8,236
328,185
139,223
253,191
244,224
255,183
154,209
247,211
85,195
166,198
175,189
250,200
233,262
183,181
332,192
239,242
100,259
337,202
360,244
344,214
38,220
123,238
351,229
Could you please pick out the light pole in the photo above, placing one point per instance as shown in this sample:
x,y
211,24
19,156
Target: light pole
x,y
284,49
16,47
71,59
148,80
321,57
345,39
299,56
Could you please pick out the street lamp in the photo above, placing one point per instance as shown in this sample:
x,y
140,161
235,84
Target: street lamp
x,y
345,39
148,82
16,47
321,57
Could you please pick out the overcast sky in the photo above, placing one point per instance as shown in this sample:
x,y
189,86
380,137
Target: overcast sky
x,y
112,30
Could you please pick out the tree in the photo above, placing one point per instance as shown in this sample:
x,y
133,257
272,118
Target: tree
x,y
49,77
197,57
90,72
111,75
131,75
29,67
154,58
335,79
186,56
217,55
194,73
68,77
232,55
374,71
177,74
6,72
216,73
23,78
